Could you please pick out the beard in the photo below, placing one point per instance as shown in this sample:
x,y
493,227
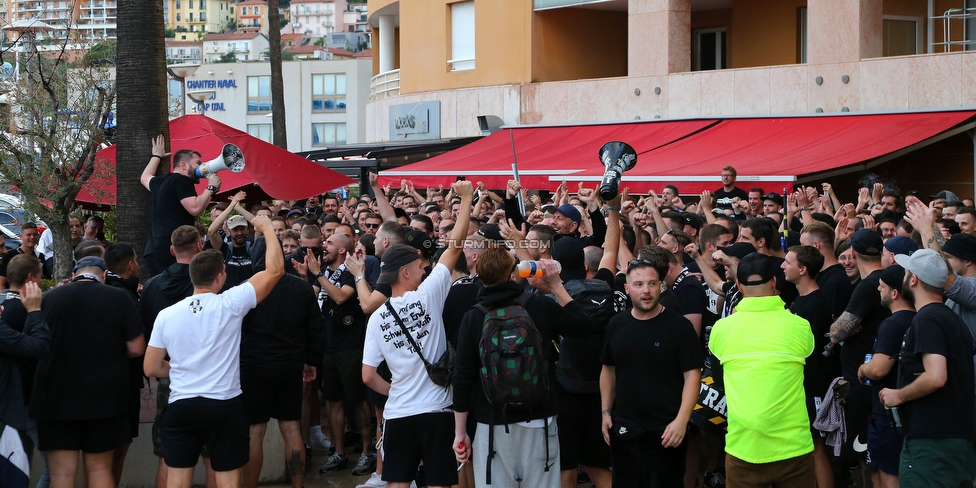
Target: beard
x,y
650,307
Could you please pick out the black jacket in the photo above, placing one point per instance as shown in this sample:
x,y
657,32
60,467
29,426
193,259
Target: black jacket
x,y
163,290
550,318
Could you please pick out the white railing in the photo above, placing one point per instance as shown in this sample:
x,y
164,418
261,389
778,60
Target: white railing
x,y
951,17
384,85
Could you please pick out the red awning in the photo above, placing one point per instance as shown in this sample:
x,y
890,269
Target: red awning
x,y
771,152
269,172
543,152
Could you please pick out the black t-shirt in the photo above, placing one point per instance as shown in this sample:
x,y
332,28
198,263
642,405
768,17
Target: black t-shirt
x,y
866,304
947,412
836,286
284,331
732,297
823,364
891,334
345,325
690,294
86,376
163,290
463,296
650,358
787,291
723,199
15,315
166,213
238,265
621,301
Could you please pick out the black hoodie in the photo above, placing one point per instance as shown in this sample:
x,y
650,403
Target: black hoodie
x,y
550,318
163,290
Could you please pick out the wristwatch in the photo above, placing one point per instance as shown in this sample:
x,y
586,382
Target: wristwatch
x,y
213,189
358,278
805,208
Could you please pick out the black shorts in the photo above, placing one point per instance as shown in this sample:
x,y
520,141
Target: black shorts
x,y
581,432
884,446
270,393
428,437
856,414
220,425
91,436
342,376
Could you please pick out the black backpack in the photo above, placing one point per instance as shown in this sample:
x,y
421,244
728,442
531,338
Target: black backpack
x,y
579,366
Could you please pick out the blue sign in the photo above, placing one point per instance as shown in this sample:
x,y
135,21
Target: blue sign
x,y
210,84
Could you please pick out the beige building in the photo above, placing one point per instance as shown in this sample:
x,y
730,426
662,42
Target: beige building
x,y
584,61
193,19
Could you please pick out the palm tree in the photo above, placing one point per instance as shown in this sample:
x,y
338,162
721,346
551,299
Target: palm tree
x,y
279,134
143,112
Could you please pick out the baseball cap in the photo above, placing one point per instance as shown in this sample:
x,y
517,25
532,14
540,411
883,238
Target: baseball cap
x,y
692,220
236,221
900,245
549,209
867,242
738,250
420,240
570,212
947,195
294,211
962,246
491,232
777,199
893,276
755,264
89,261
928,265
394,258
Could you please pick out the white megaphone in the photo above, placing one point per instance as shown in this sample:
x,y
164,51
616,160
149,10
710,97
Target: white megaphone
x,y
231,157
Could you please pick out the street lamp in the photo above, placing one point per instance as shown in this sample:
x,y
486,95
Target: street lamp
x,y
26,29
201,97
181,72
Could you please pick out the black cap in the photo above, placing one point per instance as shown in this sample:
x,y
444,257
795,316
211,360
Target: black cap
x,y
962,246
491,232
89,261
420,240
738,250
777,199
692,220
394,258
893,276
755,264
867,242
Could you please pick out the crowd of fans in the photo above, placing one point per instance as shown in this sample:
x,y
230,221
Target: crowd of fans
x,y
458,341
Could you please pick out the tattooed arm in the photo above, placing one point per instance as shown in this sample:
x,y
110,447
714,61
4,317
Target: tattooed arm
x,y
845,326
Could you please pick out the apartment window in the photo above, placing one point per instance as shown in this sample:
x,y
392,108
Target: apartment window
x,y
328,134
191,17
902,35
462,36
328,93
243,10
189,4
261,131
257,10
178,16
203,4
258,93
203,16
177,3
708,50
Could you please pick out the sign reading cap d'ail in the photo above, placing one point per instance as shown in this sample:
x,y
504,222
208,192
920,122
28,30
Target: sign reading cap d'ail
x,y
415,121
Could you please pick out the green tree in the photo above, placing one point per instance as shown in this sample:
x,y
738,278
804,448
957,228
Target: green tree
x,y
143,108
103,53
59,116
228,57
169,33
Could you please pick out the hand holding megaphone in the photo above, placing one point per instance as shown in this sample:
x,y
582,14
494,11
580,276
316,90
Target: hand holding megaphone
x,y
231,157
617,157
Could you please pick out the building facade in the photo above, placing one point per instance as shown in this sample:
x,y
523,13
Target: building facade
x,y
325,100
246,46
193,19
315,18
184,52
584,61
252,16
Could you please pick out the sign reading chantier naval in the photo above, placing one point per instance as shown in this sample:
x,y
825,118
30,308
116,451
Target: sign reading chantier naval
x,y
415,121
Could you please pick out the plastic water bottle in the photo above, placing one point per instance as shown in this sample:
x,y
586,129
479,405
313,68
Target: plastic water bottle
x,y
531,269
894,418
867,359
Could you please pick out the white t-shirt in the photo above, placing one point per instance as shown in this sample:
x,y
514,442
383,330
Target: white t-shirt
x,y
202,335
45,244
412,392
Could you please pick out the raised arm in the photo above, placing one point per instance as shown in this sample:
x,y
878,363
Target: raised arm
x,y
274,261
612,243
382,202
158,153
454,246
213,230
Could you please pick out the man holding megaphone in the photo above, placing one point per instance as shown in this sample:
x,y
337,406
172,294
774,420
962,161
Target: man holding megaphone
x,y
174,200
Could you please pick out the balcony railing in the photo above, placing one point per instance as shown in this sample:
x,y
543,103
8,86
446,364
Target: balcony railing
x,y
384,85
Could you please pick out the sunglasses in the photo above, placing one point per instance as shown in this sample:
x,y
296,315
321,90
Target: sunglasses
x,y
371,226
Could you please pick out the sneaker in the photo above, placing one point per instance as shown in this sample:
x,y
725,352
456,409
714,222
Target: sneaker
x,y
374,481
366,464
334,463
319,441
581,476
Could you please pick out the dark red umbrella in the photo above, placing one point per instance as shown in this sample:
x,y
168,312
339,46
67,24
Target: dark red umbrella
x,y
269,172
